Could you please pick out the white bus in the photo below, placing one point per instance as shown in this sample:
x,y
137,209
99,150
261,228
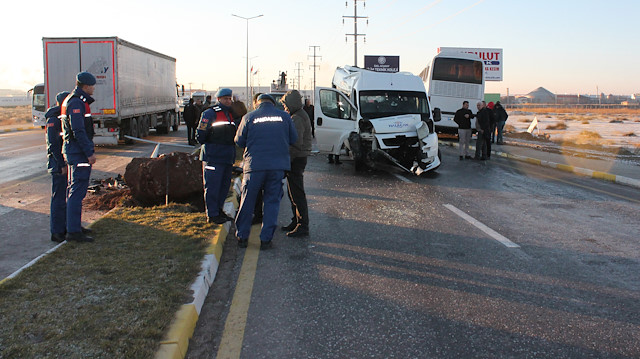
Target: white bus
x,y
38,106
454,78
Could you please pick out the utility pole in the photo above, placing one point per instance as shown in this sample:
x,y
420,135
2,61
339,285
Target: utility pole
x,y
355,29
314,47
298,69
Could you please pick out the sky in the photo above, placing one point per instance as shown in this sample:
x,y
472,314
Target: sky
x,y
565,46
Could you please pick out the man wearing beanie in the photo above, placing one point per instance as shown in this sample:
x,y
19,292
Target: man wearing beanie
x,y
216,131
78,149
57,167
298,152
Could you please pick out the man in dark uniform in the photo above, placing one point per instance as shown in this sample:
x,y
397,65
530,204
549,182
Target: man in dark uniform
x,y
265,134
78,149
216,132
191,121
57,167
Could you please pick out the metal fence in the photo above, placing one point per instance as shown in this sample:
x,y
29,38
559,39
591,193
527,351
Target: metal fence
x,y
8,101
571,106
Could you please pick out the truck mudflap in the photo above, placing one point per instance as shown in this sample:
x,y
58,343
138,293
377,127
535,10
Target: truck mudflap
x,y
105,136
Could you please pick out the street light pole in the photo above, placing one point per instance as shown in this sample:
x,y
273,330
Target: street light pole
x,y
247,63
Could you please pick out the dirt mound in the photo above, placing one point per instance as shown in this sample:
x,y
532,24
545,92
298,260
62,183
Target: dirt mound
x,y
107,200
177,175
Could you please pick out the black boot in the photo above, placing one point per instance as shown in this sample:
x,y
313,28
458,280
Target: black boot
x,y
290,227
300,231
78,237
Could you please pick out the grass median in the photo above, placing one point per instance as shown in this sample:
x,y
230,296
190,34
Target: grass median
x,y
114,298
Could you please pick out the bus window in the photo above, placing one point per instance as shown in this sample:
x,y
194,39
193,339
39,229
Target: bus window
x,y
457,70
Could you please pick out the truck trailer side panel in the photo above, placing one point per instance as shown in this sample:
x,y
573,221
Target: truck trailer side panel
x,y
134,84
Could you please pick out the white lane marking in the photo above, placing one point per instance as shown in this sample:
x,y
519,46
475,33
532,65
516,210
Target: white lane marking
x,y
402,178
495,235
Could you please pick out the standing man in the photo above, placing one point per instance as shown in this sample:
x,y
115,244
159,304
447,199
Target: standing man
x,y
265,134
58,169
191,121
308,108
501,116
483,126
216,132
78,149
207,102
298,152
463,118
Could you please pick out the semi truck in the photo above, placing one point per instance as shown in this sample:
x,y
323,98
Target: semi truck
x,y
378,119
135,89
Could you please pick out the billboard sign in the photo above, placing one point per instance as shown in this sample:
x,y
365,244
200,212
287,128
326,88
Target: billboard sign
x,y
382,63
492,59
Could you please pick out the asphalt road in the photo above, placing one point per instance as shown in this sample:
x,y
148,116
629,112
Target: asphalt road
x,y
482,259
25,187
492,259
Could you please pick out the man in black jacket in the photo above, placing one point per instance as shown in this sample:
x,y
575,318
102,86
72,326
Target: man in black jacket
x,y
191,120
501,116
483,126
463,118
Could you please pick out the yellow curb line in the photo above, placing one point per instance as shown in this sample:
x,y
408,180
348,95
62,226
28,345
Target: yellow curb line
x,y
176,342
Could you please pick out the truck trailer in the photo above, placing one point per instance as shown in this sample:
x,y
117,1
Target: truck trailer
x,y
135,89
378,118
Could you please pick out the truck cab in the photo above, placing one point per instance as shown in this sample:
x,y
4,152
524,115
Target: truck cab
x,y
380,118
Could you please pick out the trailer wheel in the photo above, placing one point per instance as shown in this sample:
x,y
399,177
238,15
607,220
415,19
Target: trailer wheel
x,y
175,121
130,128
134,129
144,126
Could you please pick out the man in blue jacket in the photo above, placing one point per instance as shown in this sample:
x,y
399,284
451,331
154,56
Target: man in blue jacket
x,y
78,149
57,167
265,134
216,132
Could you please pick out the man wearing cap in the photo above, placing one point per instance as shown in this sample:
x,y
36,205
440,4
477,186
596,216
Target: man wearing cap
x,y
265,134
216,131
78,149
57,167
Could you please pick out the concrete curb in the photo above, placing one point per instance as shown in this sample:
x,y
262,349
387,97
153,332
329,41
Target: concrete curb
x,y
176,342
567,168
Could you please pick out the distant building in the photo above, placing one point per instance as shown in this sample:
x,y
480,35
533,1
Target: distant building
x,y
541,95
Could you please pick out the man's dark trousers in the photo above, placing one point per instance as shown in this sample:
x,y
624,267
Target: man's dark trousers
x,y
217,180
58,219
271,182
297,196
78,185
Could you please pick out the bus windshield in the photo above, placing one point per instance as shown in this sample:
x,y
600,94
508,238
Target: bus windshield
x,y
376,104
38,99
457,70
